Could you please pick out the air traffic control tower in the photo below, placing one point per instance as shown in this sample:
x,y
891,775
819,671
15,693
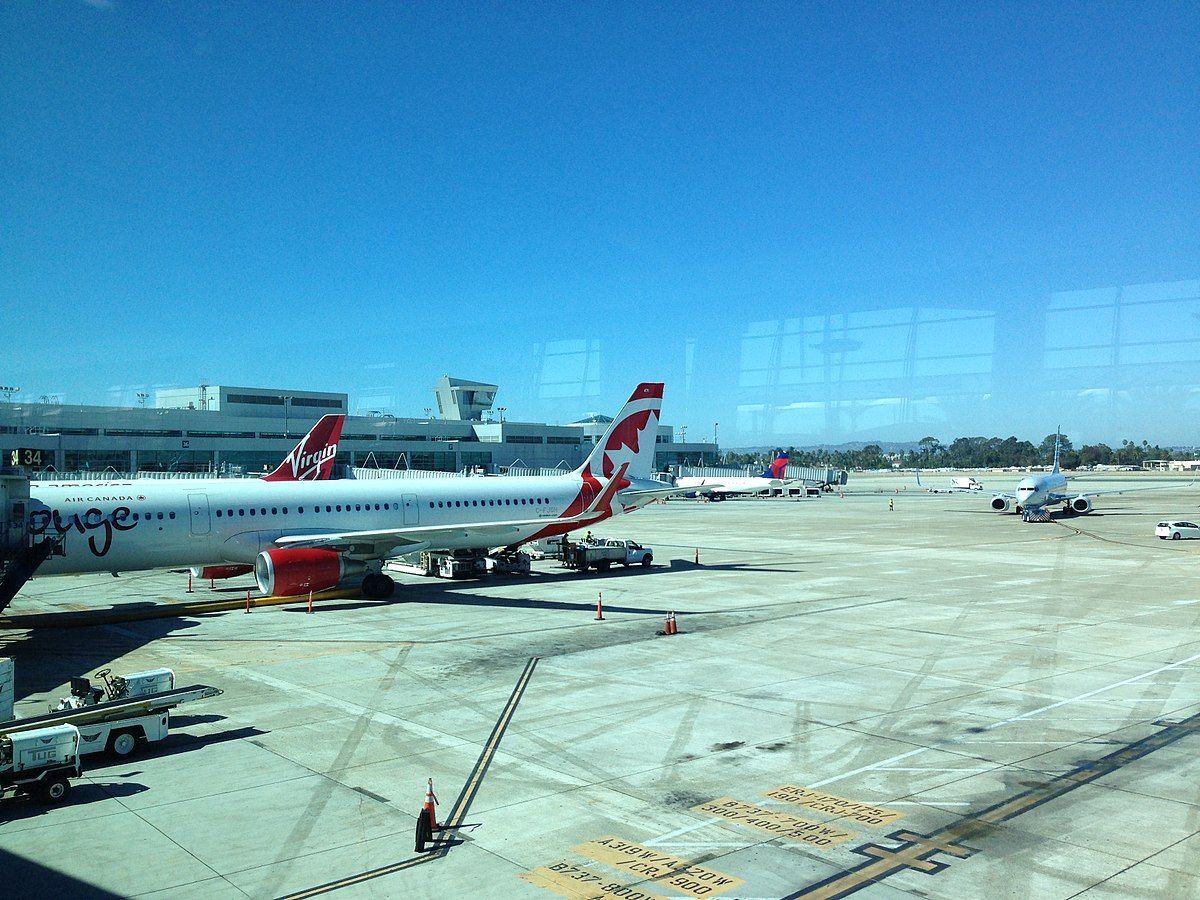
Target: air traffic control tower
x,y
464,401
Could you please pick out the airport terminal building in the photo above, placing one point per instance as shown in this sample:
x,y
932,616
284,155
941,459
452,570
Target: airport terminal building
x,y
244,430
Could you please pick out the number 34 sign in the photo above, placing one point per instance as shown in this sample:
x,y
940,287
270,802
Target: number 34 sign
x,y
27,458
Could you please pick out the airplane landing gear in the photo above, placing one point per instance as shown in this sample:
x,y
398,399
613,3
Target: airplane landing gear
x,y
377,586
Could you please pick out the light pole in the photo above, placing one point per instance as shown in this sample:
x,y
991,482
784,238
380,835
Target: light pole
x,y
502,410
142,397
716,446
8,391
286,403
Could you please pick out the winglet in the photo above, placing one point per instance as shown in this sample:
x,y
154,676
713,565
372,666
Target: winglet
x,y
604,498
312,458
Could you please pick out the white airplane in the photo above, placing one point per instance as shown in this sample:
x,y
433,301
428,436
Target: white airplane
x,y
774,476
1036,492
958,485
302,535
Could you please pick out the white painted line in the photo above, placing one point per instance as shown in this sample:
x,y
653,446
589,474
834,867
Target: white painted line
x,y
882,762
686,829
1143,700
924,769
929,803
1093,693
989,743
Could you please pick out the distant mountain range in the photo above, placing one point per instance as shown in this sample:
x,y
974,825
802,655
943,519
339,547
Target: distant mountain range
x,y
885,446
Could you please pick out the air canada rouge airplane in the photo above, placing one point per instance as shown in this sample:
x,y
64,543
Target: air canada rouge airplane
x,y
300,532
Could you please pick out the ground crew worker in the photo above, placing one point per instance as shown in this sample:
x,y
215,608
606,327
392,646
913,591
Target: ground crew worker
x,y
891,504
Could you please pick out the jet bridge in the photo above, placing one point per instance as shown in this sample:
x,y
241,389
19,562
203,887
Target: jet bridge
x,y
19,555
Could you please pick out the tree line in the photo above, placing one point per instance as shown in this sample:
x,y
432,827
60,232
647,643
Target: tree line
x,y
972,453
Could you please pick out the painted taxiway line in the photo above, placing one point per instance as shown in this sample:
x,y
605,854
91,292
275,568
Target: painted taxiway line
x,y
1093,693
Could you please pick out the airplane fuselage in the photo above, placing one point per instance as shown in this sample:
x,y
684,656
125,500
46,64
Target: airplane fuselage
x,y
1035,491
131,525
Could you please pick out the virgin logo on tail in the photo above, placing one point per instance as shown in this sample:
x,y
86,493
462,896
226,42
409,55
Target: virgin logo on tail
x,y
312,459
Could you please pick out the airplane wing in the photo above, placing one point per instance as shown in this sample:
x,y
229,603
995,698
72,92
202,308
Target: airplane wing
x,y
636,499
1071,495
398,541
386,542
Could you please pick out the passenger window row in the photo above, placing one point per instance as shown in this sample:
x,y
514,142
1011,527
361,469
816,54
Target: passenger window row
x,y
531,501
301,510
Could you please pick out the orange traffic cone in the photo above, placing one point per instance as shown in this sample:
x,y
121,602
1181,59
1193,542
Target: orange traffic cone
x,y
672,628
430,803
600,606
247,601
189,590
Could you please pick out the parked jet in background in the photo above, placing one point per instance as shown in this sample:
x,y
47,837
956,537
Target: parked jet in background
x,y
958,485
314,535
722,486
1036,492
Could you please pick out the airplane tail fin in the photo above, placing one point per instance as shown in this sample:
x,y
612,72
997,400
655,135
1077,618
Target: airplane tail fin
x,y
1057,447
630,438
778,468
312,458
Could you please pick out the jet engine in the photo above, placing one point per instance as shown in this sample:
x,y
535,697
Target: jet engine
x,y
216,572
292,572
1001,504
1081,505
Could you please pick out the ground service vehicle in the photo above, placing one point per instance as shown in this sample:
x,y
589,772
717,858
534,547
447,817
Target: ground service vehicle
x,y
604,553
40,761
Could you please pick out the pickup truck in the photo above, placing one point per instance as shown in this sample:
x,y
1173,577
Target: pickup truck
x,y
601,555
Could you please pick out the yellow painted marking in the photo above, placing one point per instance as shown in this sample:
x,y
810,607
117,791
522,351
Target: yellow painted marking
x,y
654,865
365,876
921,865
569,880
779,824
158,611
441,845
489,750
862,813
932,844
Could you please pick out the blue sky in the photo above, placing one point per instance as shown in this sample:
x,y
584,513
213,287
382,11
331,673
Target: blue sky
x,y
567,198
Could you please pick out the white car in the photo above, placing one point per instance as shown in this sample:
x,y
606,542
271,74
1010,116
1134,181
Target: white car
x,y
1177,530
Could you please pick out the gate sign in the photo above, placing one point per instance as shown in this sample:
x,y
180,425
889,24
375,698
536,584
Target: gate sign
x,y
27,458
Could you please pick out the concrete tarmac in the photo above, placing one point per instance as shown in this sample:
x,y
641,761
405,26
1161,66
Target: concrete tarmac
x,y
935,701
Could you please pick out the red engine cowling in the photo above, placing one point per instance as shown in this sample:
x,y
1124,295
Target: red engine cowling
x,y
290,573
233,570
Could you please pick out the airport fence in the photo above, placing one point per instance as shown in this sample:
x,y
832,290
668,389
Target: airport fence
x,y
393,474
